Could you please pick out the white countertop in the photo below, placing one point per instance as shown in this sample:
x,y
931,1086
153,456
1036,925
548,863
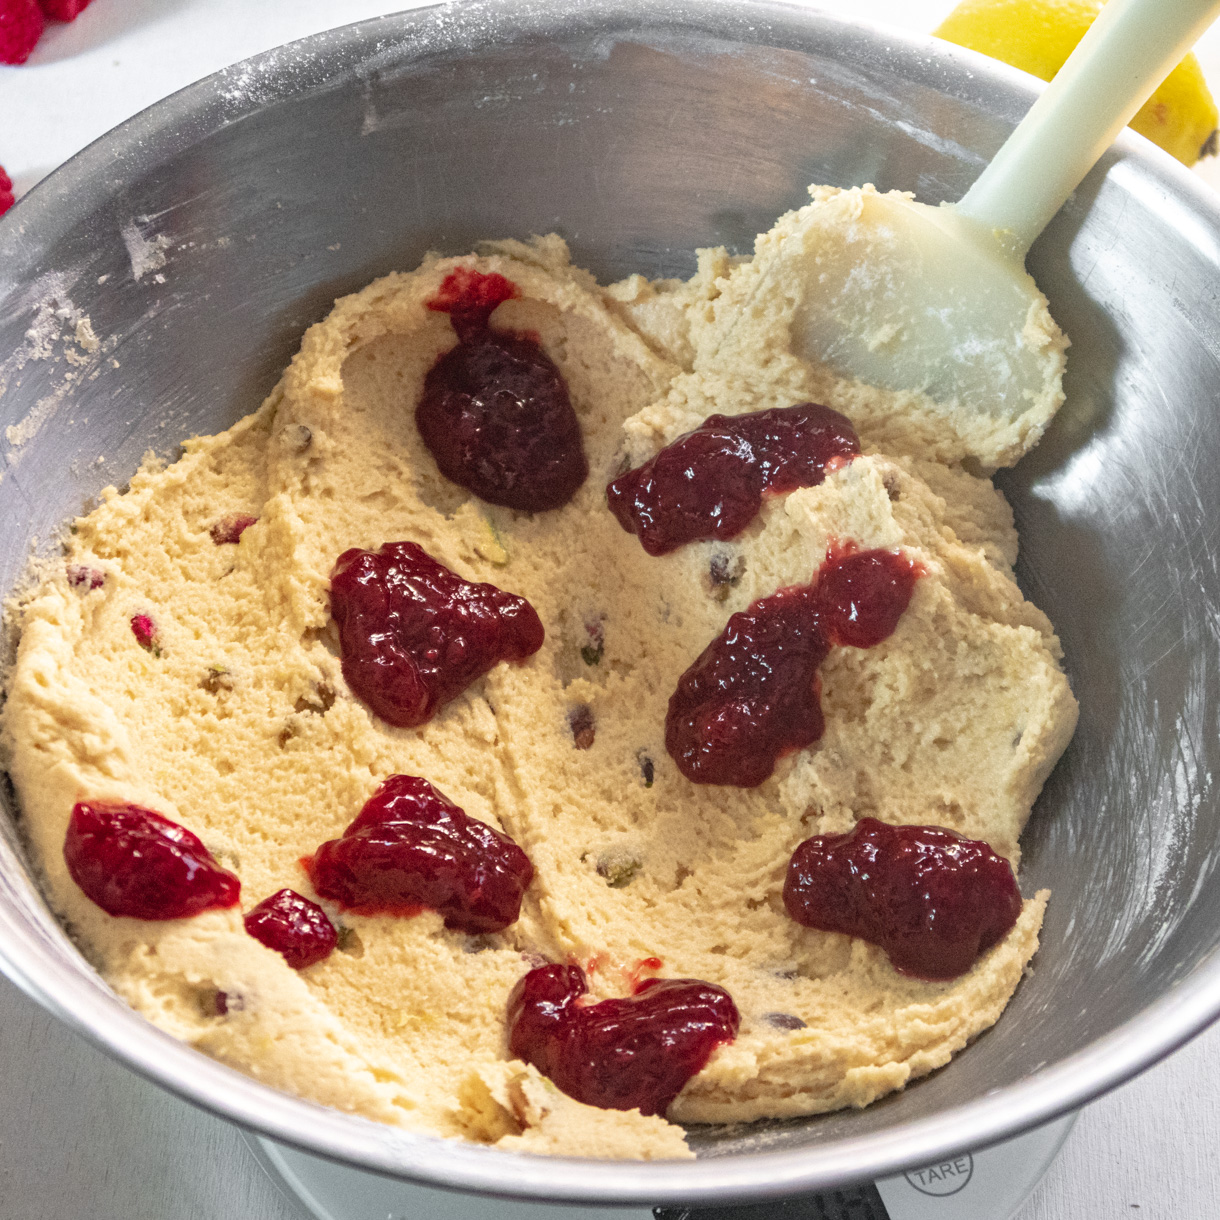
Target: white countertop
x,y
81,1138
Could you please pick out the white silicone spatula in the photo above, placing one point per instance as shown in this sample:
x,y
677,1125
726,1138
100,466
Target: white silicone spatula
x,y
937,299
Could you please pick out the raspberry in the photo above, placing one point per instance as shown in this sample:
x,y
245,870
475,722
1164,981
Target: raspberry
x,y
7,198
64,10
21,26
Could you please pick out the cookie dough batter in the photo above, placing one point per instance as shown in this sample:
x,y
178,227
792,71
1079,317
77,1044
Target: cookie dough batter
x,y
234,719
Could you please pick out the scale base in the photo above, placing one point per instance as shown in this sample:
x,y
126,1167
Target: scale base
x,y
987,1185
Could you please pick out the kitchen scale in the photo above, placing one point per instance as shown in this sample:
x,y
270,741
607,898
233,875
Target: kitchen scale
x,y
987,1185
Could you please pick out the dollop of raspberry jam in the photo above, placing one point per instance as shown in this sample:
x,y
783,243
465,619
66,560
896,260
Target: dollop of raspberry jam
x,y
634,1053
132,861
230,529
495,411
411,847
294,927
861,595
931,899
710,483
413,634
754,693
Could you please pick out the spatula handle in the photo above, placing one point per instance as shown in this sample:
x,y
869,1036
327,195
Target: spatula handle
x,y
1131,47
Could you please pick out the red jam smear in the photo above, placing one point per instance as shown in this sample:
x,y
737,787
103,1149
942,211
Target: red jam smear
x,y
132,861
753,695
934,901
294,927
412,848
862,594
229,529
635,1053
470,297
413,635
495,411
710,483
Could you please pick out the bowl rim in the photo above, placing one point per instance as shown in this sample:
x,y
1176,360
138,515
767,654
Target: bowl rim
x,y
83,1001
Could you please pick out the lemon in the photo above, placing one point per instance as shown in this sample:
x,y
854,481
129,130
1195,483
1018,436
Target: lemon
x,y
1038,35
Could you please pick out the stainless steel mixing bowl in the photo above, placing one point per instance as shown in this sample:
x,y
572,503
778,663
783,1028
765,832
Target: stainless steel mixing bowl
x,y
203,236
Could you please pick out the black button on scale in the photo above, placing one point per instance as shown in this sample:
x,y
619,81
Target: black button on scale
x,y
849,1203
